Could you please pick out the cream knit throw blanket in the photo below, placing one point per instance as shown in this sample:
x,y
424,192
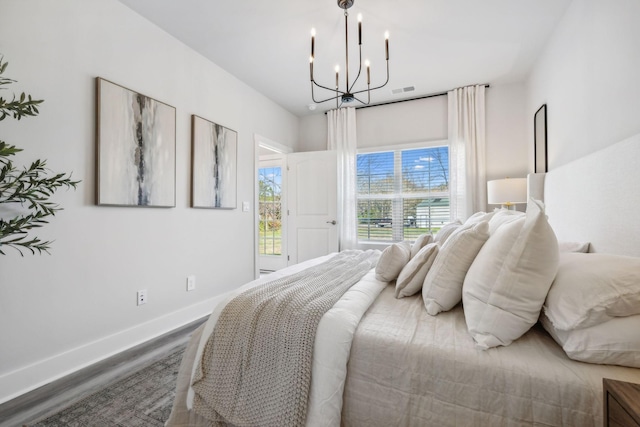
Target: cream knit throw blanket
x,y
256,366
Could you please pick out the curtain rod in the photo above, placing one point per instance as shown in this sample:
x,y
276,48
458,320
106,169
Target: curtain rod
x,y
432,95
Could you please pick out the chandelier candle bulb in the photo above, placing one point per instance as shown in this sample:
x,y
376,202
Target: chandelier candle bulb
x,y
368,71
360,29
386,44
311,67
313,42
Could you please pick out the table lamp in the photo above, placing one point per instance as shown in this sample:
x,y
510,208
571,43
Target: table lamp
x,y
507,192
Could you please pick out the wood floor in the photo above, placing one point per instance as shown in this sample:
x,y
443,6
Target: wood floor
x,y
55,396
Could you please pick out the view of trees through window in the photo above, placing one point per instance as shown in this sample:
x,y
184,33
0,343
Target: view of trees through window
x,y
270,210
402,193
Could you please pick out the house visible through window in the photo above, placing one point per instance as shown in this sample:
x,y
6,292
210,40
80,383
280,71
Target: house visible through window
x,y
402,193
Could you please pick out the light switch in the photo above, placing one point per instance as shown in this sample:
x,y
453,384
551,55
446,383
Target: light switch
x,y
245,206
191,283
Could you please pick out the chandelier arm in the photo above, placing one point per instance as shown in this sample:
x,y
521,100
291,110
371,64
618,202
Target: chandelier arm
x,y
325,100
368,97
327,88
377,87
359,71
361,101
313,98
346,46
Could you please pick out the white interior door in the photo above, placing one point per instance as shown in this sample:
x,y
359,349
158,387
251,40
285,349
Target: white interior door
x,y
312,205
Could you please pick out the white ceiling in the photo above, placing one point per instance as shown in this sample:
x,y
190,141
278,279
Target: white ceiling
x,y
435,45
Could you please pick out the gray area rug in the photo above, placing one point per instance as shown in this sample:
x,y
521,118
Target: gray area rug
x,y
144,399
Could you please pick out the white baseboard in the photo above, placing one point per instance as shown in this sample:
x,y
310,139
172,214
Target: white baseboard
x,y
28,378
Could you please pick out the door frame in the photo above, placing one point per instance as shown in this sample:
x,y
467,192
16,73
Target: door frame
x,y
260,143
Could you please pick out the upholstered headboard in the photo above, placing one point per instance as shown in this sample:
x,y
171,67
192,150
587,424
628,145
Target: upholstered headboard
x,y
596,198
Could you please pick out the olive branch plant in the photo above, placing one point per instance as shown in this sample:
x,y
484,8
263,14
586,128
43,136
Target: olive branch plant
x,y
29,187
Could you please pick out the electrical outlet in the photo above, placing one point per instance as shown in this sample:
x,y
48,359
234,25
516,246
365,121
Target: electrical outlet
x,y
142,297
191,283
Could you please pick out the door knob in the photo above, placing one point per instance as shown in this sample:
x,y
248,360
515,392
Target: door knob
x,y
332,222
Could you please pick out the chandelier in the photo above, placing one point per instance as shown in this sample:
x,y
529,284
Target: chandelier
x,y
348,95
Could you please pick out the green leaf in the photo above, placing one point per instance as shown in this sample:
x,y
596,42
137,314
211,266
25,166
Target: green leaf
x,y
30,187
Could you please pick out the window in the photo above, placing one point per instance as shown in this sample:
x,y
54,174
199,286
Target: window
x,y
402,193
270,207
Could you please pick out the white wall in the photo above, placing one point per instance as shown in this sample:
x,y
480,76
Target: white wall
x,y
401,123
62,311
507,142
426,120
313,133
588,77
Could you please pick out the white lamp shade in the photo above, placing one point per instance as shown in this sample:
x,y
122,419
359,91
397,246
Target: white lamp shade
x,y
507,191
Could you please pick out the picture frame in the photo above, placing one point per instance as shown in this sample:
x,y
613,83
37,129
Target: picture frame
x,y
540,160
213,165
136,148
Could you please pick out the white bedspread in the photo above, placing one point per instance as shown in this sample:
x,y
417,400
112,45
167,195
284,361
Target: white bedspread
x,y
411,369
332,348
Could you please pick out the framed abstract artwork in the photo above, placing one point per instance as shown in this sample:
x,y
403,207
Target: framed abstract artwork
x,y
213,165
540,164
136,148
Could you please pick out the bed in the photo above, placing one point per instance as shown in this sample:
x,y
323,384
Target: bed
x,y
379,360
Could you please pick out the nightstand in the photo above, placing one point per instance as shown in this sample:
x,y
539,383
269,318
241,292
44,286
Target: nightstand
x,y
621,403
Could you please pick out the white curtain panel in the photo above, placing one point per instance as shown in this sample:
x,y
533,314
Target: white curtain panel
x,y
467,151
342,138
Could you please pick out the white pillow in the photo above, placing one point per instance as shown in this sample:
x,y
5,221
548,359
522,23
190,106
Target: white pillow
x,y
590,289
479,217
501,217
508,281
392,260
422,241
412,275
443,234
614,342
442,288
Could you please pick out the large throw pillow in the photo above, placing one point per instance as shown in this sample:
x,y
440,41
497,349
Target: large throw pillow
x,y
392,260
614,342
590,289
479,217
442,288
501,217
422,241
508,281
443,234
412,275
